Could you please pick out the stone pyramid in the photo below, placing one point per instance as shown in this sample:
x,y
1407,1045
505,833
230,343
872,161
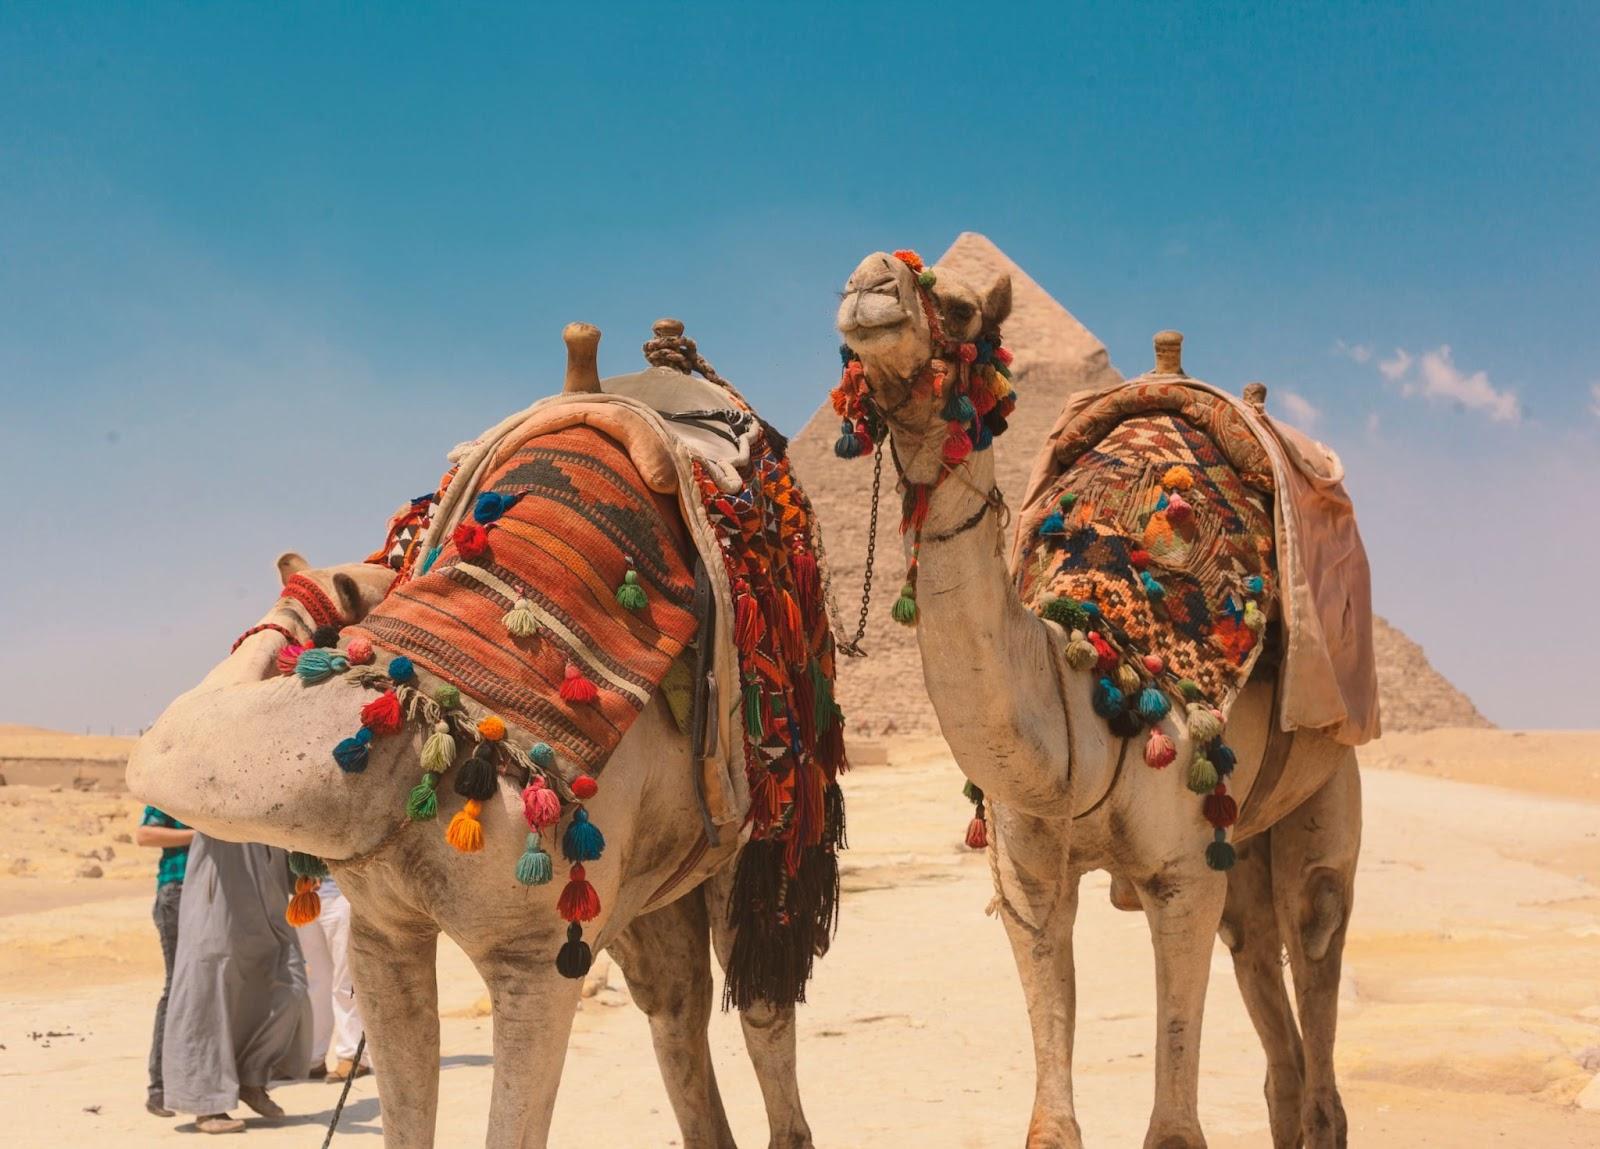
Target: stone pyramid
x,y
1056,355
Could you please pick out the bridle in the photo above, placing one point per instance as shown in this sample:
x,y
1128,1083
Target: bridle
x,y
319,610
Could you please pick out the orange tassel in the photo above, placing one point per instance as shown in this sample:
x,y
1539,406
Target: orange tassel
x,y
466,832
306,905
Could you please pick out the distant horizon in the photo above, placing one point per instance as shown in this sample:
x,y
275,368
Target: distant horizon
x,y
253,256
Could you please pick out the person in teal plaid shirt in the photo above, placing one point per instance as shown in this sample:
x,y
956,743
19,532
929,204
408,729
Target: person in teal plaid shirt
x,y
173,837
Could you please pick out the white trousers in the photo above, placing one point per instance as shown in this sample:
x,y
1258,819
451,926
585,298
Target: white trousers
x,y
336,1019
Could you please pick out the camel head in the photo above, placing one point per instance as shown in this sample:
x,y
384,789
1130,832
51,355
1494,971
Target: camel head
x,y
915,340
216,758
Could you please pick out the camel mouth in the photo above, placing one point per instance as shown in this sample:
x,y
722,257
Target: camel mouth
x,y
873,317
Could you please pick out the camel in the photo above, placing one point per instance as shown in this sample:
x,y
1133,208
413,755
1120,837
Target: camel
x,y
1058,804
244,756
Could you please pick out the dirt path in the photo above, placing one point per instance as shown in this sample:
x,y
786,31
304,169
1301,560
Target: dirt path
x,y
1471,1013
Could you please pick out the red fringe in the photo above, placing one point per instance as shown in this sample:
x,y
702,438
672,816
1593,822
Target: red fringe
x,y
578,902
1221,810
914,508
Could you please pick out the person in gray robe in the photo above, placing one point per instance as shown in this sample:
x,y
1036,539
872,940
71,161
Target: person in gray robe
x,y
239,1014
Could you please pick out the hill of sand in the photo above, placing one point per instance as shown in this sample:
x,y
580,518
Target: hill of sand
x,y
1056,356
1468,1012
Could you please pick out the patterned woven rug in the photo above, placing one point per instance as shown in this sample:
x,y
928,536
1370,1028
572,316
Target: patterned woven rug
x,y
581,519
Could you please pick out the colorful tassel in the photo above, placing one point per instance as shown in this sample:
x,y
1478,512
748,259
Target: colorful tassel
x,y
492,727
583,841
490,505
1126,722
477,778
904,610
1190,689
578,901
465,832
534,868
543,757
422,804
577,689
1053,524
1222,757
1159,752
303,865
447,696
540,805
1177,478
847,445
520,621
1178,510
584,787
1081,654
1105,654
1202,774
1153,704
1128,679
1204,725
359,651
288,658
1106,699
1219,854
318,665
306,905
351,753
754,716
439,751
957,444
401,670
471,539
1253,618
1066,613
1152,589
630,595
575,957
1220,809
1154,664
382,715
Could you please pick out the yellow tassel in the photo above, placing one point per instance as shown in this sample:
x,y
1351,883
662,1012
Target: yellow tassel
x,y
466,832
306,906
520,621
1002,386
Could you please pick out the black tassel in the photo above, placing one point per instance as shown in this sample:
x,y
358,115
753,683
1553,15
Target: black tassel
x,y
782,924
833,835
477,778
575,957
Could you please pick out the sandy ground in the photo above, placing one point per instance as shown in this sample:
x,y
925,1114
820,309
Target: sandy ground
x,y
1471,1011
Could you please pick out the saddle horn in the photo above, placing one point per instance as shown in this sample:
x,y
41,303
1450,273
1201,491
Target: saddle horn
x,y
583,347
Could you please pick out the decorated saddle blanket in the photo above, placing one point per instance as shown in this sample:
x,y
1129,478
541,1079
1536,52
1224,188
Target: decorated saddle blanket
x,y
1328,679
575,560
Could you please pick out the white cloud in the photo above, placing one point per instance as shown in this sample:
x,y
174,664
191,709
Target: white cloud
x,y
1438,378
1302,412
1374,425
1359,352
1395,367
1594,400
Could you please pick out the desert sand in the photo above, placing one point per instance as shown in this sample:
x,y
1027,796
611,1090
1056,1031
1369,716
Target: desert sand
x,y
1471,1009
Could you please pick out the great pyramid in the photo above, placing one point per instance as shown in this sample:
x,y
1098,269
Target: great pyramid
x,y
1056,356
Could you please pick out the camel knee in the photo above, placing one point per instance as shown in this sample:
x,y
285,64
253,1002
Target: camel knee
x,y
1324,914
763,1017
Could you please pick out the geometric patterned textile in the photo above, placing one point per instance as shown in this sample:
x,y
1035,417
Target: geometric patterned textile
x,y
584,516
1155,528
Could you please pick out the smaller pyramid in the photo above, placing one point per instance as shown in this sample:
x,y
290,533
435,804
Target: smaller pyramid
x,y
1412,695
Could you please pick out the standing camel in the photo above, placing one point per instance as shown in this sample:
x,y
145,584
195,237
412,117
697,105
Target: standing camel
x,y
1024,728
244,756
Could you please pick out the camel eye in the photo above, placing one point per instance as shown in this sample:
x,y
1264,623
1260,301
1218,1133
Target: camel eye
x,y
961,311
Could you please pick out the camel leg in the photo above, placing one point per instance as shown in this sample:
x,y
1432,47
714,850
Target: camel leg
x,y
1039,905
1250,931
1183,903
769,1033
1314,853
394,968
533,1008
666,958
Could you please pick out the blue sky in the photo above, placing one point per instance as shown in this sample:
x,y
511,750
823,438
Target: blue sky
x,y
252,256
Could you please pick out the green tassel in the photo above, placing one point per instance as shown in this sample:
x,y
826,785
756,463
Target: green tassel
x,y
1066,612
448,697
823,709
439,751
752,709
307,865
905,607
630,595
423,802
1203,724
534,868
1202,774
1220,855
1190,689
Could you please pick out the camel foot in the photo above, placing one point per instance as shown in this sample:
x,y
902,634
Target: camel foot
x,y
1175,1139
1051,1132
1322,1122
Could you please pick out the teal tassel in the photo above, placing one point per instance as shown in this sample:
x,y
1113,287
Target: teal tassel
x,y
1222,757
1053,524
847,446
1153,704
543,757
423,802
319,665
583,841
1107,698
1151,587
534,868
430,558
351,754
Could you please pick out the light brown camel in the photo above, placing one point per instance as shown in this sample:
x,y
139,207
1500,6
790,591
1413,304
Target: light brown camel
x,y
244,756
1056,813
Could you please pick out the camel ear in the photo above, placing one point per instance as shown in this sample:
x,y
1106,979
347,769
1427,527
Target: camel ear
x,y
349,596
291,564
997,302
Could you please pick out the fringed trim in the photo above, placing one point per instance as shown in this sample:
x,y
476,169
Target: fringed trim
x,y
782,922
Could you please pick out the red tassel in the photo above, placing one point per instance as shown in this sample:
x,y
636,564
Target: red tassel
x,y
578,902
382,714
807,581
287,657
471,539
915,508
576,688
792,630
1221,810
1107,660
977,834
957,444
747,623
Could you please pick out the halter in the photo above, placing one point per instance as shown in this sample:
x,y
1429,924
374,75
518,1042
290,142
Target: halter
x,y
322,611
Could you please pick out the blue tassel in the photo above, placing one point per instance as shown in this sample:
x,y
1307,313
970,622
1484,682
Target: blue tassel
x,y
430,558
959,409
1153,705
847,446
490,505
543,757
985,351
583,841
1053,524
1254,584
1107,698
845,354
1222,757
1151,587
534,868
981,436
351,754
401,670
319,665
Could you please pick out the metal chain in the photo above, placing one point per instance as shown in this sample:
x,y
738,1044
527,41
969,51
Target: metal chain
x,y
852,648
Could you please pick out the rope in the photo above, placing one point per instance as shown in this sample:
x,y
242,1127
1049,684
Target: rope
x,y
361,1047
